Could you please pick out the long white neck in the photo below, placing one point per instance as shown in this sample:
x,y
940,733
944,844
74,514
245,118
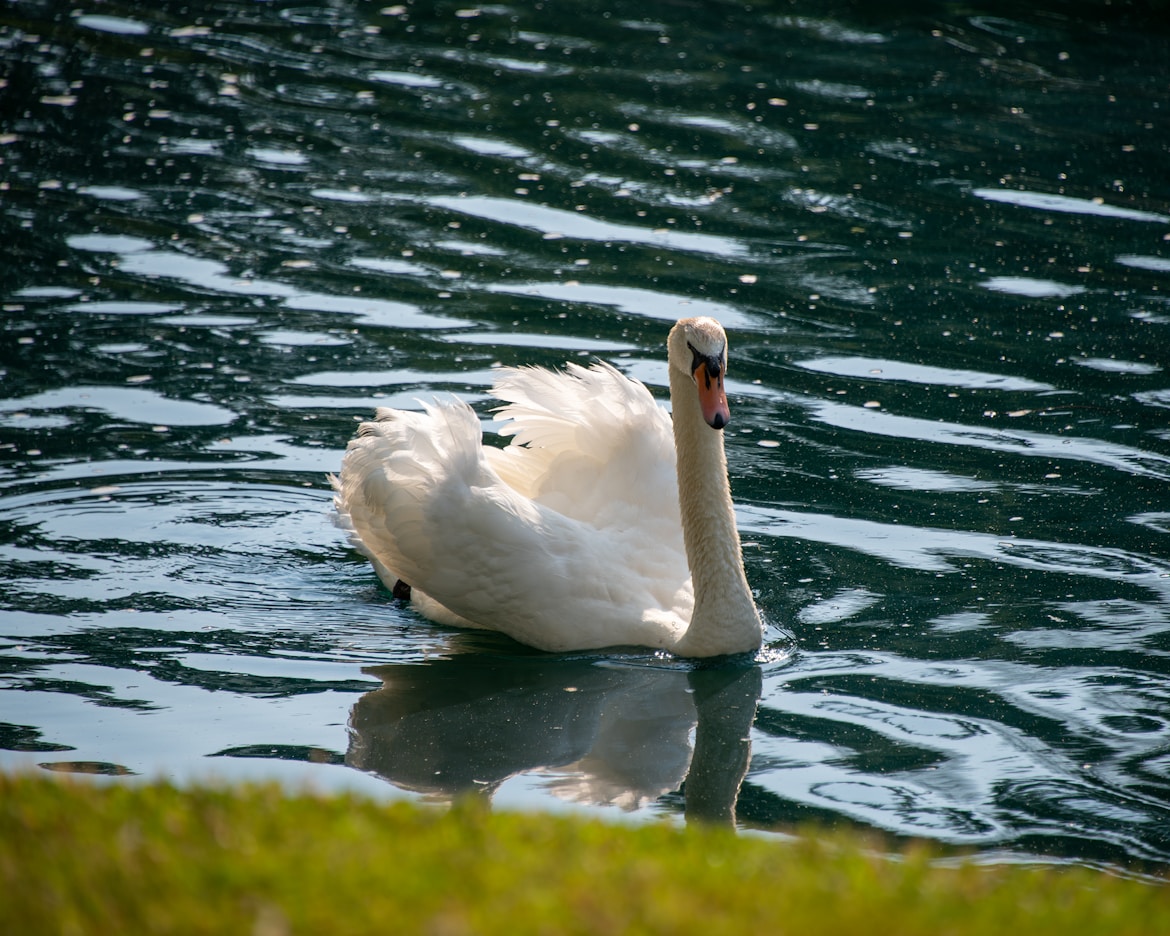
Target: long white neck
x,y
725,619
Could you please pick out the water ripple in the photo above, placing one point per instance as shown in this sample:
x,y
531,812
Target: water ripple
x,y
926,549
1016,442
556,223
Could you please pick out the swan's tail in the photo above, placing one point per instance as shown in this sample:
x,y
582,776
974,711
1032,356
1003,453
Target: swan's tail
x,y
390,473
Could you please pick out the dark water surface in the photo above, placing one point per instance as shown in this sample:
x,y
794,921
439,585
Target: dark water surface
x,y
938,233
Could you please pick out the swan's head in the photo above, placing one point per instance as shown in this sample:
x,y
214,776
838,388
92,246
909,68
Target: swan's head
x,y
698,348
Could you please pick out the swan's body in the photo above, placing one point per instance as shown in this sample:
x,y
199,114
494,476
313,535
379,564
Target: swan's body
x,y
586,531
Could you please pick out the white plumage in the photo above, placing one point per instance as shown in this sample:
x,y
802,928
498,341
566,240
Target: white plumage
x,y
572,536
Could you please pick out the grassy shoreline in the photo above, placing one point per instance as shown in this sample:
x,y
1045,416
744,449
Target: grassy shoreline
x,y
79,857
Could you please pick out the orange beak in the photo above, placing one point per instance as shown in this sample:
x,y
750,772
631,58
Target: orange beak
x,y
712,399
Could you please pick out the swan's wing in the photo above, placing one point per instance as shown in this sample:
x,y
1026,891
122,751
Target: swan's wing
x,y
426,506
589,442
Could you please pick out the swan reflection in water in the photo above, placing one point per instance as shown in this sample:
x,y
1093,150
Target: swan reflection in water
x,y
607,732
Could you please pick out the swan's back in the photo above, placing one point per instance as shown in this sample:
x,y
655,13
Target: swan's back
x,y
567,538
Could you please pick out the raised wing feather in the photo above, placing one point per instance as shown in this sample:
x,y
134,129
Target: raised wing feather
x,y
590,443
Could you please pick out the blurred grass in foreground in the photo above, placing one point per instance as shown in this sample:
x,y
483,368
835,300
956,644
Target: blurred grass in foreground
x,y
106,858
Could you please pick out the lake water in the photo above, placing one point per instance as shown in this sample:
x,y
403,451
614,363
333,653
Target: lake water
x,y
938,234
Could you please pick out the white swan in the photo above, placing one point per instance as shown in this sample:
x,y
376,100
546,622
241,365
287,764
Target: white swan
x,y
596,527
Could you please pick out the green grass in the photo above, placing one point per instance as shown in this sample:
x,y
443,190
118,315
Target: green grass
x,y
82,858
